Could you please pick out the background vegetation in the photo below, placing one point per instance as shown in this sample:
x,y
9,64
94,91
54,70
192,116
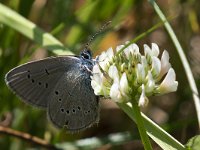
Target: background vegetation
x,y
72,23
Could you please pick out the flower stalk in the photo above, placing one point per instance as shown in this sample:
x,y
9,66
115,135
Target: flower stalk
x,y
140,124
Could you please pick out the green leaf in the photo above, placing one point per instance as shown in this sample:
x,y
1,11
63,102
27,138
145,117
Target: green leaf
x,y
193,143
30,30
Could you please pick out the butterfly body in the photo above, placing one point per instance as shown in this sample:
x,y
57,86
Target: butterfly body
x,y
62,86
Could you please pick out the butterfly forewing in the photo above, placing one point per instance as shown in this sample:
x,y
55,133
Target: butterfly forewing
x,y
73,103
34,81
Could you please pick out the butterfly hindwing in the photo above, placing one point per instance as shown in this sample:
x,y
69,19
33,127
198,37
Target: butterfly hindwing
x,y
73,103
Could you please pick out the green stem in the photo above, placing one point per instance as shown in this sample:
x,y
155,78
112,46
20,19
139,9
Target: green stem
x,y
141,127
160,136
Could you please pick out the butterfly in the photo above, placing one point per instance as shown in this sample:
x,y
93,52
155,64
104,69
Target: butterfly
x,y
62,86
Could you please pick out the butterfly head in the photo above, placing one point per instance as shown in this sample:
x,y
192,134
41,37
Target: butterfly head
x,y
86,54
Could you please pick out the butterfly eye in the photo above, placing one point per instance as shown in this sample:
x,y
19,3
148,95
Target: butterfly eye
x,y
86,54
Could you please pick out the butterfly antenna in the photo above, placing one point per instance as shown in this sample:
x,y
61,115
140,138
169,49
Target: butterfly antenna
x,y
100,30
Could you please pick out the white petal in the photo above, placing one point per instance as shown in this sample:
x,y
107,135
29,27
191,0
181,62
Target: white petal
x,y
124,84
168,84
155,49
105,58
96,87
135,48
100,84
140,73
104,65
156,67
96,80
97,77
143,100
113,73
131,49
119,47
165,65
110,53
96,83
147,50
102,57
115,93
127,42
144,63
96,69
150,85
127,52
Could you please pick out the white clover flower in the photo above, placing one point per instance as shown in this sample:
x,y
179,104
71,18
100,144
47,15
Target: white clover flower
x,y
122,76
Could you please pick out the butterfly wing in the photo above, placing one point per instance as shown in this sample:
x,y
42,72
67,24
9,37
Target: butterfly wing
x,y
73,104
34,81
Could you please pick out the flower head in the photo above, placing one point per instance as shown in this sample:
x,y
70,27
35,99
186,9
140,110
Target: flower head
x,y
129,74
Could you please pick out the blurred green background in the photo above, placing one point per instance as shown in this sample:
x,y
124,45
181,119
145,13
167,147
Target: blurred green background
x,y
73,23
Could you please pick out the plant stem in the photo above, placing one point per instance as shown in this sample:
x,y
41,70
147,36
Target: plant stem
x,y
141,127
27,137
